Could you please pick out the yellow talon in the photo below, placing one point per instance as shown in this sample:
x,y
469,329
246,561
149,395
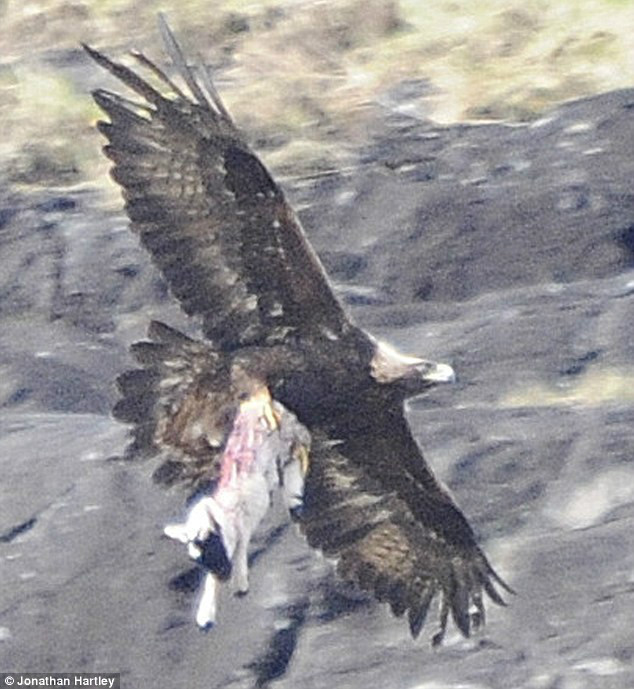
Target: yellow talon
x,y
262,403
301,453
271,417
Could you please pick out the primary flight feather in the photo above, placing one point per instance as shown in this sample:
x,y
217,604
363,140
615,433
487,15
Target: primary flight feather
x,y
283,388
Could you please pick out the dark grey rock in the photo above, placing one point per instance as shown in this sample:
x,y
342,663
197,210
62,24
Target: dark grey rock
x,y
506,251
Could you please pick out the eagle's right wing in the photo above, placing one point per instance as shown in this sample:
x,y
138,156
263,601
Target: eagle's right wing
x,y
208,211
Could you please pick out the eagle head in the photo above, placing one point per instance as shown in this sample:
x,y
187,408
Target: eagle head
x,y
388,366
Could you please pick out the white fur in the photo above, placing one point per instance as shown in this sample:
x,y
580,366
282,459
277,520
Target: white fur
x,y
237,506
206,610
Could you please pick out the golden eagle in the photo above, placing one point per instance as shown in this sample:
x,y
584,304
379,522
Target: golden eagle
x,y
283,385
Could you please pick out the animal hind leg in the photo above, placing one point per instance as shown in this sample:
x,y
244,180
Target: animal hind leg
x,y
206,612
241,567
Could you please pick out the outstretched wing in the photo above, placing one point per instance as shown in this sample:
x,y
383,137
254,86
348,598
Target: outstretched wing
x,y
181,404
372,504
208,211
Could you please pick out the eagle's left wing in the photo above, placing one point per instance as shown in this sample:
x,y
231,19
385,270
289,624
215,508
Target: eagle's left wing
x,y
372,504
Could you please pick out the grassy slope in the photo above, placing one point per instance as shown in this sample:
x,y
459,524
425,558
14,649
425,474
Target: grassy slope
x,y
312,68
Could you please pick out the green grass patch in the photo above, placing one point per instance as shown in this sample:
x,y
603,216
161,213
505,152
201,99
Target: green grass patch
x,y
296,69
596,387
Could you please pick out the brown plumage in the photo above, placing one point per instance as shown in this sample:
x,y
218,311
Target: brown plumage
x,y
233,252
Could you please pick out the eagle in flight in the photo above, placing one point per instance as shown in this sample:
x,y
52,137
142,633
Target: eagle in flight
x,y
282,389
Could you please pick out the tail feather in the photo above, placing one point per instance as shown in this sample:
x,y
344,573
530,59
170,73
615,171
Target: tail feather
x,y
173,414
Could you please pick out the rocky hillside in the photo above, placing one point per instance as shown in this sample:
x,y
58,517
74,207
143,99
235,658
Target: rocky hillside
x,y
504,250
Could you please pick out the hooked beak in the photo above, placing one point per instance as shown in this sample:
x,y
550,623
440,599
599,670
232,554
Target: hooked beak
x,y
390,366
432,372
